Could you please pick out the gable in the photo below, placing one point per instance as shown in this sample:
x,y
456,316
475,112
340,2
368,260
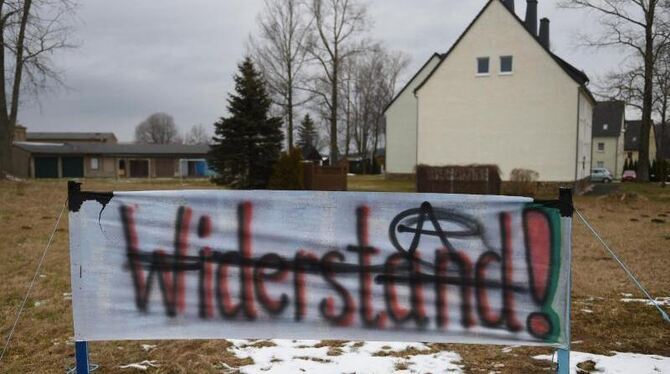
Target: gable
x,y
414,81
610,113
524,35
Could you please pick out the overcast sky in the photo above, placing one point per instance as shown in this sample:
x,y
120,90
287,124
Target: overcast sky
x,y
179,56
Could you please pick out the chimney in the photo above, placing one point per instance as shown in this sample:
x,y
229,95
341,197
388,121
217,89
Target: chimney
x,y
531,16
509,4
544,33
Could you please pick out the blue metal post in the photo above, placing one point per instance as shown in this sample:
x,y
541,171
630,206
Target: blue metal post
x,y
563,361
565,197
81,357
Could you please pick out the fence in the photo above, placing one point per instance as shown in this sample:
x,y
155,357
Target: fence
x,y
473,179
325,178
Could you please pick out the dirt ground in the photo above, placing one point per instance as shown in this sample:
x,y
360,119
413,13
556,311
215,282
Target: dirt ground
x,y
636,223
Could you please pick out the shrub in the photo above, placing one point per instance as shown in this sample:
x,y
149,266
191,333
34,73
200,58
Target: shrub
x,y
523,182
287,172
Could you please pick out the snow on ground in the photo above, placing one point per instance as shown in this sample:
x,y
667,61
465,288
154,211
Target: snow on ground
x,y
659,300
301,356
620,363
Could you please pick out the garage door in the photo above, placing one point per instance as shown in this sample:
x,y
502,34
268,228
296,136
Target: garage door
x,y
139,168
46,167
73,167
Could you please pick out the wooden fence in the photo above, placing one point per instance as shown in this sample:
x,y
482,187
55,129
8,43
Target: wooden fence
x,y
325,178
474,179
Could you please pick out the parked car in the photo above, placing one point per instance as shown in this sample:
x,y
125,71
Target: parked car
x,y
601,175
629,176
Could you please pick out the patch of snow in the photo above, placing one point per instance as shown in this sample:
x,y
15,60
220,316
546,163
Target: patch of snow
x,y
148,347
144,365
589,311
620,363
509,349
294,357
659,300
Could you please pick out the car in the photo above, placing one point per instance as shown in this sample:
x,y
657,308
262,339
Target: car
x,y
601,175
629,176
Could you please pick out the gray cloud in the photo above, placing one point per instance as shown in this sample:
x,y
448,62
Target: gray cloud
x,y
179,57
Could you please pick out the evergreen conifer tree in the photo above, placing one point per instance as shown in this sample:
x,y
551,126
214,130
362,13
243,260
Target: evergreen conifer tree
x,y
248,142
307,134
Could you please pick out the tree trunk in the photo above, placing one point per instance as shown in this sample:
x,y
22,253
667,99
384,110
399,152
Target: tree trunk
x,y
347,136
334,154
289,114
6,136
647,102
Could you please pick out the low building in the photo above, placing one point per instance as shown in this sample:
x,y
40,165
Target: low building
x,y
608,136
632,141
109,160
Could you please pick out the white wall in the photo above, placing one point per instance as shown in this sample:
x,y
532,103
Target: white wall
x,y
528,119
585,136
401,125
611,157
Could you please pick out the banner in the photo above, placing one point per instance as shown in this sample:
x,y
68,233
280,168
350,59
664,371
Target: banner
x,y
319,265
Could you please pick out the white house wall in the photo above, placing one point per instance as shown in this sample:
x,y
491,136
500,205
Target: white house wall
x,y
527,120
611,157
585,137
401,126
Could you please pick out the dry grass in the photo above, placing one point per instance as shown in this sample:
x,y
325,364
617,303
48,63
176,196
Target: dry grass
x,y
43,339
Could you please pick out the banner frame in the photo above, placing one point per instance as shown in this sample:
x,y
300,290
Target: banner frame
x,y
76,197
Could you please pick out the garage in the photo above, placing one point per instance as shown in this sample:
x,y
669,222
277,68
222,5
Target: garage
x,y
73,167
46,167
139,169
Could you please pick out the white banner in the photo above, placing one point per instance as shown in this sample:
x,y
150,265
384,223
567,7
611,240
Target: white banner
x,y
319,265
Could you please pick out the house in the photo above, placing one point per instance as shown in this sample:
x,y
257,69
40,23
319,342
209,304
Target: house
x,y
663,141
608,136
499,96
401,124
45,160
99,155
632,141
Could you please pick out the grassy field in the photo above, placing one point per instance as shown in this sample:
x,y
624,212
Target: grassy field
x,y
634,222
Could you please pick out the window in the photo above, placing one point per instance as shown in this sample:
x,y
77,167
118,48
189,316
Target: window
x,y
506,65
483,66
606,126
601,147
601,164
95,163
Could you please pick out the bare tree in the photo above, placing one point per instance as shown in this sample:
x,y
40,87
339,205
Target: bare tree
x,y
639,26
335,27
198,134
31,31
280,51
376,76
626,85
159,128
